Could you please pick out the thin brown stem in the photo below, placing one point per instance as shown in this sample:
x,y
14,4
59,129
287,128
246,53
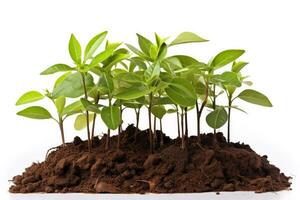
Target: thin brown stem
x,y
161,133
94,119
178,121
214,102
203,104
182,131
120,128
137,114
229,116
87,113
61,128
154,133
150,127
107,144
198,119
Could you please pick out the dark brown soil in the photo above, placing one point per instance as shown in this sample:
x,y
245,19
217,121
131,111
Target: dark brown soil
x,y
213,165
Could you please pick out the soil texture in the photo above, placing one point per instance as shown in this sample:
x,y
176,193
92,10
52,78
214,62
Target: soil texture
x,y
209,165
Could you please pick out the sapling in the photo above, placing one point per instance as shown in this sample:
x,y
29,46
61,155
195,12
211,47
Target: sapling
x,y
38,112
231,81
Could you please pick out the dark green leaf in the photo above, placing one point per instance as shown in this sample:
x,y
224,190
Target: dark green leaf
x,y
217,118
158,111
144,44
90,106
132,92
111,117
72,86
181,92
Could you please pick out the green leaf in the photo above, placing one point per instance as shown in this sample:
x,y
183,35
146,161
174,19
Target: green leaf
x,y
29,97
144,44
187,37
35,112
56,68
162,52
181,92
135,50
217,118
227,78
111,117
152,72
226,57
61,78
60,103
132,92
255,97
102,56
115,59
73,108
75,49
238,66
158,111
80,121
90,106
93,45
106,82
72,86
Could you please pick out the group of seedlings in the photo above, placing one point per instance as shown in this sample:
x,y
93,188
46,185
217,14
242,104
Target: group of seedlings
x,y
105,82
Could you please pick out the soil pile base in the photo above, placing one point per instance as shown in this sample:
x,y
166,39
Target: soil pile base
x,y
212,165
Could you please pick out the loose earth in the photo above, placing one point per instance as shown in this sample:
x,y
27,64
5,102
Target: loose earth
x,y
209,165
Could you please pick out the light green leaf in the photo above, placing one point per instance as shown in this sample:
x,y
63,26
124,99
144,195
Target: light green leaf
x,y
227,78
60,103
90,106
158,111
93,45
35,112
106,82
102,56
111,117
56,68
162,52
75,49
255,97
73,108
132,92
80,121
226,57
238,66
135,50
187,37
217,118
181,92
152,72
29,97
72,86
144,44
61,78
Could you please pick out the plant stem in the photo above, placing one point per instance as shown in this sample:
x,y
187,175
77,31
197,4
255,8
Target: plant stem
x,y
182,130
203,104
61,127
214,101
137,113
87,113
178,123
198,119
120,127
108,131
94,119
149,117
229,115
186,123
154,133
161,133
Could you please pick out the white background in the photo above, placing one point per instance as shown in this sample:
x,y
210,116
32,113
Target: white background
x,y
35,34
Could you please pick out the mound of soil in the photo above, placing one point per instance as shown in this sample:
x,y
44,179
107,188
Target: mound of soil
x,y
212,165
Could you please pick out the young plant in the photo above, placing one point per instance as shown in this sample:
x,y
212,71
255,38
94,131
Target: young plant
x,y
38,112
230,82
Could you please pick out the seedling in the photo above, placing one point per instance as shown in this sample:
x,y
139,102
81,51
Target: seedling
x,y
108,82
